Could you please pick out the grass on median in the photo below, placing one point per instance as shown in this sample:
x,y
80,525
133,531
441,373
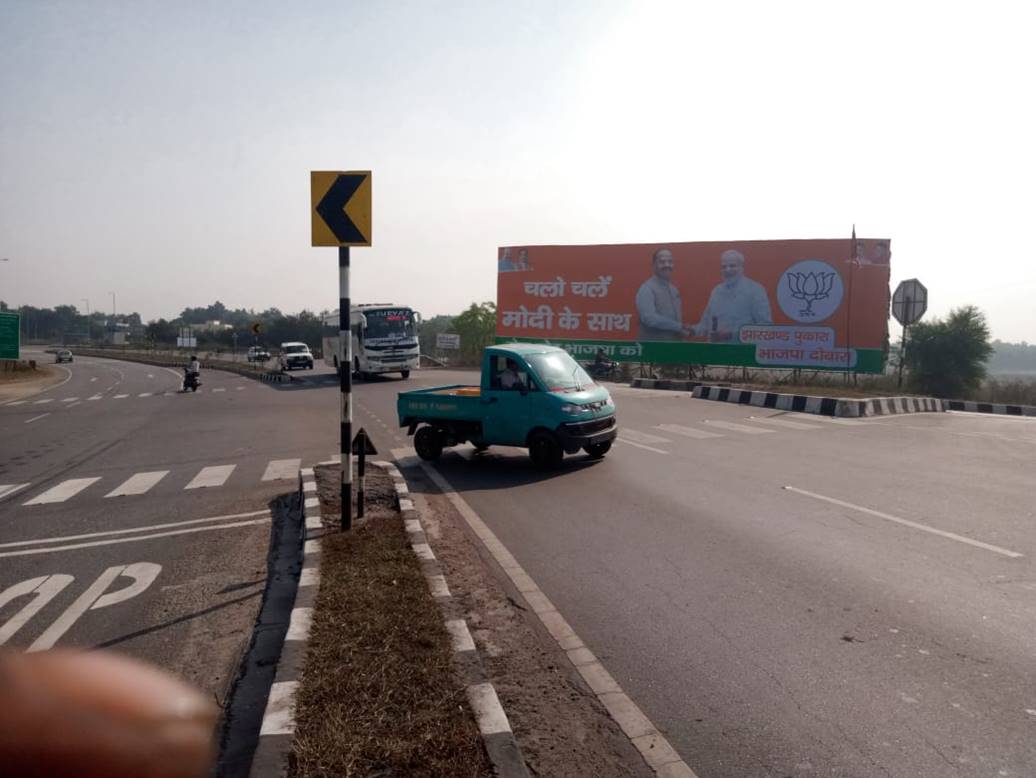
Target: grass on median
x,y
379,696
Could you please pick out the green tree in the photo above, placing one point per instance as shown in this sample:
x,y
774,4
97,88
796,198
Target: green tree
x,y
476,327
947,357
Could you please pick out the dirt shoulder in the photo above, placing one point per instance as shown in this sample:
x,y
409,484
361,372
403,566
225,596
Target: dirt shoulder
x,y
17,385
379,693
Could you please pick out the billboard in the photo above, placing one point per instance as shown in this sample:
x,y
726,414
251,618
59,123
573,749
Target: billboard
x,y
818,304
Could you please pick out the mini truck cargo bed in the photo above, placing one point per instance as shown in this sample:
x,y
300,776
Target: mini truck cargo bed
x,y
531,396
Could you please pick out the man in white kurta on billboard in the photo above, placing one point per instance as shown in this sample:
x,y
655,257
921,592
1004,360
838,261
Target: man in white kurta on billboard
x,y
734,303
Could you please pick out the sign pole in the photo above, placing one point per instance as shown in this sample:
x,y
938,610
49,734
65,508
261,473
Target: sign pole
x,y
902,344
361,468
345,383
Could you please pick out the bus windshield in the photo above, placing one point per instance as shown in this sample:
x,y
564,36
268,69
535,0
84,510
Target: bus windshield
x,y
389,323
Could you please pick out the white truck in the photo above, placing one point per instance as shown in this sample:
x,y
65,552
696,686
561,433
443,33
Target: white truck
x,y
384,340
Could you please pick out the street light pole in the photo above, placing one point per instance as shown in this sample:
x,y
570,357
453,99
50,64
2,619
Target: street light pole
x,y
113,306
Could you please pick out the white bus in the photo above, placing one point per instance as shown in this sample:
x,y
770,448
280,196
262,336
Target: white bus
x,y
384,339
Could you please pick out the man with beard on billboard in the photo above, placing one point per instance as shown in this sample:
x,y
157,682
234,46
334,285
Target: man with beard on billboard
x,y
734,303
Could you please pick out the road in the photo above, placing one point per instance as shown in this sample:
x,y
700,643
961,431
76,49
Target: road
x,y
785,594
136,517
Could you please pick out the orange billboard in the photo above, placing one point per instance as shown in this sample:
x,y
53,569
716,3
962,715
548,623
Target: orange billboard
x,y
819,304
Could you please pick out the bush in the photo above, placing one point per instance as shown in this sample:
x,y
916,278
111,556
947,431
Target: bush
x,y
947,357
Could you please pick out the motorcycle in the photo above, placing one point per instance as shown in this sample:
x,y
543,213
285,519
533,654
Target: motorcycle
x,y
191,380
602,371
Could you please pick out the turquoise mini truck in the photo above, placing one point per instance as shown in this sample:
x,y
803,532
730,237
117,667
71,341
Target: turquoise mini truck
x,y
532,396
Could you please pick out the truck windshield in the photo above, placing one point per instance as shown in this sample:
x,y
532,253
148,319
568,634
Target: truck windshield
x,y
296,349
389,323
558,371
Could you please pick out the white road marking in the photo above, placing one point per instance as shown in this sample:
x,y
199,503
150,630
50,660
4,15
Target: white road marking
x,y
211,476
70,399
37,418
150,375
120,396
73,405
6,490
488,712
791,425
220,389
689,432
147,528
282,469
908,523
139,483
620,439
299,624
145,394
115,541
17,402
63,491
44,402
279,717
43,589
729,425
93,379
641,437
239,388
95,397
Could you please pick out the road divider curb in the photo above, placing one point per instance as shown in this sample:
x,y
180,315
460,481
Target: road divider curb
x,y
998,408
825,406
675,385
652,745
268,376
499,740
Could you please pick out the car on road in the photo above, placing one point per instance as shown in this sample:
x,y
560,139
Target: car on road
x,y
296,355
258,354
63,355
532,396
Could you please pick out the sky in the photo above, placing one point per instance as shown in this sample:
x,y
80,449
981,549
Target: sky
x,y
161,151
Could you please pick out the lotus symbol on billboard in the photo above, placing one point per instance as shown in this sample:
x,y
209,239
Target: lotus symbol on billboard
x,y
810,287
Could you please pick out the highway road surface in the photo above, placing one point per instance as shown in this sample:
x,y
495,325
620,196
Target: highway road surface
x,y
782,594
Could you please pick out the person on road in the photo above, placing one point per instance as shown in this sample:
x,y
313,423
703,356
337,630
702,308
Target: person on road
x,y
193,369
659,310
735,302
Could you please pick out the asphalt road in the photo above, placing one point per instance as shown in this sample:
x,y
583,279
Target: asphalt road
x,y
136,517
785,594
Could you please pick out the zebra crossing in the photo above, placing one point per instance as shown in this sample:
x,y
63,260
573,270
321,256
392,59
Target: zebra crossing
x,y
141,483
120,396
708,429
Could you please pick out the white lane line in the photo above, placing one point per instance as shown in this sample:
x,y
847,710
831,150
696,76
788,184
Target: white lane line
x,y
17,402
279,716
220,389
641,437
620,439
239,388
729,425
145,394
114,541
282,469
791,425
70,399
489,713
689,432
150,375
120,396
6,490
138,483
73,405
63,491
93,379
211,476
44,402
300,623
147,528
908,523
37,418
95,397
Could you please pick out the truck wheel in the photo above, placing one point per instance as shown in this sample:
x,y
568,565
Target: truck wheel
x,y
481,447
405,374
428,443
544,450
598,450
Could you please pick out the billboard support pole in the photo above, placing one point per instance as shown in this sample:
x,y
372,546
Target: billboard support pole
x,y
902,347
849,308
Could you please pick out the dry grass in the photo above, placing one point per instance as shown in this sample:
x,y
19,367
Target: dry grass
x,y
379,696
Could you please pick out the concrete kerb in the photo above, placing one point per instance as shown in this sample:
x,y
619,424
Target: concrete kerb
x,y
995,408
499,740
825,406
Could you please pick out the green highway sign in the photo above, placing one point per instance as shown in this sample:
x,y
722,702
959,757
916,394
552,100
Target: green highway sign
x,y
10,339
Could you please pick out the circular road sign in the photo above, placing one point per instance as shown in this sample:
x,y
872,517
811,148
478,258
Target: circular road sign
x,y
909,302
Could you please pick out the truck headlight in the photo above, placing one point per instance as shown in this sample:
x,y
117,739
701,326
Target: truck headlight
x,y
571,408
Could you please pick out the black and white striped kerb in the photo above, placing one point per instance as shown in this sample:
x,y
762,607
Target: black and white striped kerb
x,y
501,745
974,407
824,406
345,383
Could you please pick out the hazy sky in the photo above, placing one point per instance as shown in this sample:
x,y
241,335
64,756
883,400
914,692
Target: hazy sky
x,y
162,151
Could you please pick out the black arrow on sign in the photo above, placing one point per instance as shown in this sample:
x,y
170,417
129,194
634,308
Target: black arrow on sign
x,y
332,209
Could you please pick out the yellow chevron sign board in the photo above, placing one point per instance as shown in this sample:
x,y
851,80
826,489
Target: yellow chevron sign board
x,y
340,207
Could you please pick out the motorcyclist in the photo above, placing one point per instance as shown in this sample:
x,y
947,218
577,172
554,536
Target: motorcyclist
x,y
601,360
193,369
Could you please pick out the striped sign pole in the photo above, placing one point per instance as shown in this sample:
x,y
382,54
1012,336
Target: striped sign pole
x,y
345,384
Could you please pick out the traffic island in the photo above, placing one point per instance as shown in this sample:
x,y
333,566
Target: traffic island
x,y
825,406
20,379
